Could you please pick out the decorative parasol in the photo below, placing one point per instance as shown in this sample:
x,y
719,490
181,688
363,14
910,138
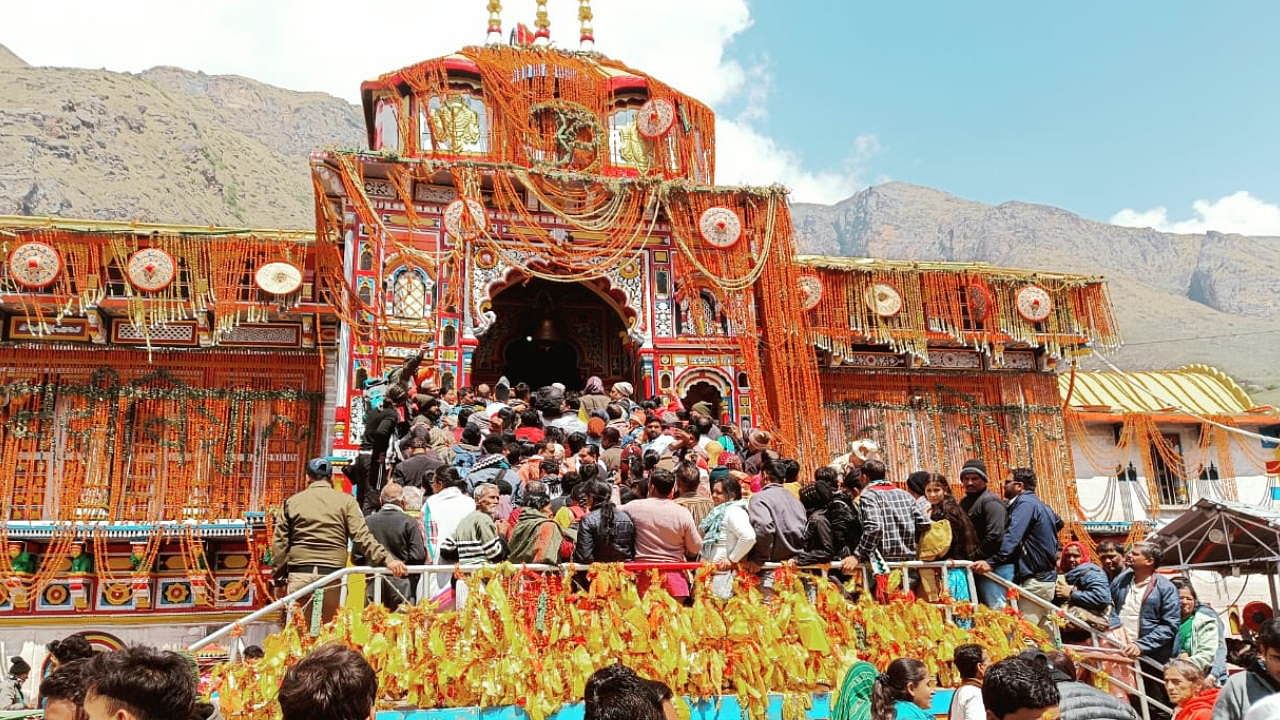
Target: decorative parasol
x,y
278,278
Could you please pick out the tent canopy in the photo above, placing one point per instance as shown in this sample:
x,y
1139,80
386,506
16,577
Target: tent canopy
x,y
1229,537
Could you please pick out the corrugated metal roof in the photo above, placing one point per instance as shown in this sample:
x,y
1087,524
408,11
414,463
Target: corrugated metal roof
x,y
1198,389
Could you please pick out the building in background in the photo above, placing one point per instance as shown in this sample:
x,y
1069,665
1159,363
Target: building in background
x,y
1148,445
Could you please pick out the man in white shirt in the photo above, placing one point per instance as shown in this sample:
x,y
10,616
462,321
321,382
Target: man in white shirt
x,y
442,513
971,661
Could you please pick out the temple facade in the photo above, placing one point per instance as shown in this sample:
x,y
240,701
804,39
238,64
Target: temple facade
x,y
528,213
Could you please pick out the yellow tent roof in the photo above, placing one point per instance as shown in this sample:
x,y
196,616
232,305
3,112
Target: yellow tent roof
x,y
1198,389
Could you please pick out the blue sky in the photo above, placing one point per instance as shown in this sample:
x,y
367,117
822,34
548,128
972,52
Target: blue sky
x,y
1090,106
1145,113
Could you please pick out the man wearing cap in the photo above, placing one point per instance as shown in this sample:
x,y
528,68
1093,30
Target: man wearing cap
x,y
990,519
621,393
418,469
312,532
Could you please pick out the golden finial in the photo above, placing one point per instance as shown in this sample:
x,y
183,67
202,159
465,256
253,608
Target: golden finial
x,y
493,34
543,34
586,36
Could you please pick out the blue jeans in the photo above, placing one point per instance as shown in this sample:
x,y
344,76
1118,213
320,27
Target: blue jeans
x,y
992,594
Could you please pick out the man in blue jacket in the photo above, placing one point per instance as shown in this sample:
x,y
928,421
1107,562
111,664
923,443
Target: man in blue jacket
x,y
1147,604
1031,544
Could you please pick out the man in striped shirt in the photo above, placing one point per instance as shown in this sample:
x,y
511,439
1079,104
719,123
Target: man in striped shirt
x,y
476,540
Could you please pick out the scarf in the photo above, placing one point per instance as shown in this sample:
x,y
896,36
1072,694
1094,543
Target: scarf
x,y
854,700
712,526
495,460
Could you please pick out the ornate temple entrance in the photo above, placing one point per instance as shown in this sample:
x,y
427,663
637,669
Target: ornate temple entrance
x,y
545,332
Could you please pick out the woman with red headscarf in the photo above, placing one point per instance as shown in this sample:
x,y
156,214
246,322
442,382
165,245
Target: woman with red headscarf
x,y
1083,589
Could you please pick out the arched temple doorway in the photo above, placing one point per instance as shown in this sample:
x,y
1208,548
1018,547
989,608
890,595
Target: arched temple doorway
x,y
703,391
545,332
705,385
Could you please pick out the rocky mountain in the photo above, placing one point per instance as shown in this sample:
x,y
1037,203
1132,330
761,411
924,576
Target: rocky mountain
x,y
173,145
1209,298
164,145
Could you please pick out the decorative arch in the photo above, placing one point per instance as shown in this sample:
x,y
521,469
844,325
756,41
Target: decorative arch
x,y
715,376
721,385
621,288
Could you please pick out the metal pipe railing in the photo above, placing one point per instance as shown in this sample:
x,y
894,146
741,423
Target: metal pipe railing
x,y
285,603
1100,640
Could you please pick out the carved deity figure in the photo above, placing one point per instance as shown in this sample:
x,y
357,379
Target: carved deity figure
x,y
22,561
81,562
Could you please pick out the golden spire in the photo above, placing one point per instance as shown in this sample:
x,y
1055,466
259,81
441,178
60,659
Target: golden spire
x,y
543,34
493,34
586,36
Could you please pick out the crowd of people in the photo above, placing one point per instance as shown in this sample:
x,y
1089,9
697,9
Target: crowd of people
x,y
554,475
551,475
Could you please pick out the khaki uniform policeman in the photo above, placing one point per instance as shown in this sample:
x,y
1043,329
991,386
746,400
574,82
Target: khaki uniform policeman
x,y
312,531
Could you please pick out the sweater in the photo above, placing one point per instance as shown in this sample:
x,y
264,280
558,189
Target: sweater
x,y
819,543
1092,591
780,523
1268,708
474,542
1243,690
535,538
907,710
990,518
1203,642
1031,542
1080,701
846,526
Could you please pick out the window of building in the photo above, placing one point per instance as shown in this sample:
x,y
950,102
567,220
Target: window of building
x,y
1169,470
410,294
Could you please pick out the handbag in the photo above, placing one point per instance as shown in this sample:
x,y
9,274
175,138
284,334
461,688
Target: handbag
x,y
1100,622
936,542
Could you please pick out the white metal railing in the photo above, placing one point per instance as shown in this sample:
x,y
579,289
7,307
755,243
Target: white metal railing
x,y
288,603
1100,642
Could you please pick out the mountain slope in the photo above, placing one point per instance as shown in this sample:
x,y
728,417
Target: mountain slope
x,y
1179,298
166,145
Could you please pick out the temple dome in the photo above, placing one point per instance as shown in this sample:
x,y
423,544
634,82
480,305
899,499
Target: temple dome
x,y
540,108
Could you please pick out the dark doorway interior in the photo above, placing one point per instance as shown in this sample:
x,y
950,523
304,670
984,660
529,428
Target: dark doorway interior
x,y
542,362
703,391
545,332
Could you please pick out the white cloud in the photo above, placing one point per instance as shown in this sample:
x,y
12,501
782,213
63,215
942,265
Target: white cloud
x,y
332,46
1239,212
744,156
